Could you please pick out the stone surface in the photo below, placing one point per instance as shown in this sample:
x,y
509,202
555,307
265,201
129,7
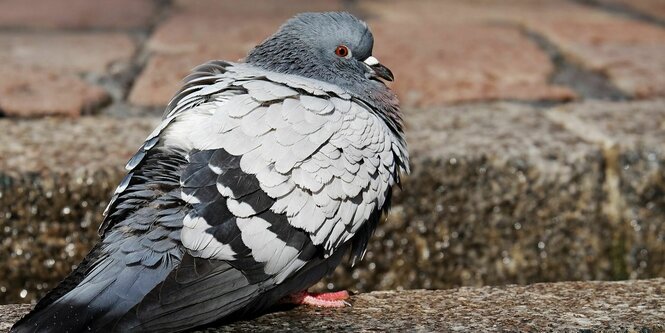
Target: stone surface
x,y
56,176
72,52
631,306
256,9
474,61
627,51
42,71
9,314
199,31
76,14
500,193
631,54
442,61
633,135
654,8
31,92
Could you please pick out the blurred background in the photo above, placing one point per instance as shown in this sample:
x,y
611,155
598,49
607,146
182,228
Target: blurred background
x,y
536,129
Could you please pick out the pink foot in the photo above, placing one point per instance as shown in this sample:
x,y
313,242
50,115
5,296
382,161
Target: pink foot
x,y
323,300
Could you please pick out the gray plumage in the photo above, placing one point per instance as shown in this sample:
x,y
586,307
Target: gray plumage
x,y
260,177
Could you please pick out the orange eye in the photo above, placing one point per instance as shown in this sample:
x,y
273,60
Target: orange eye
x,y
342,51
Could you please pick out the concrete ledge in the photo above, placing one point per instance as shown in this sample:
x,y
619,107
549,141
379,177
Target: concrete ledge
x,y
630,306
56,176
500,193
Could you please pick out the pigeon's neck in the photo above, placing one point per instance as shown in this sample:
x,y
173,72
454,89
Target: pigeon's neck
x,y
287,55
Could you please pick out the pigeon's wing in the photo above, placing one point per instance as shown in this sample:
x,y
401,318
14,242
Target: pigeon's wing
x,y
237,248
326,158
137,253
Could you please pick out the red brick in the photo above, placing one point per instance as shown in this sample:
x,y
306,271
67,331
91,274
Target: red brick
x,y
70,52
41,71
162,77
30,92
630,53
187,40
76,14
282,9
232,37
202,30
655,8
458,60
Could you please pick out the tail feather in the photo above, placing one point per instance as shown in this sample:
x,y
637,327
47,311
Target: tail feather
x,y
198,292
100,299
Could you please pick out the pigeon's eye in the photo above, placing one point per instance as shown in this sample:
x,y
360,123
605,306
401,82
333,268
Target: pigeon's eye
x,y
342,51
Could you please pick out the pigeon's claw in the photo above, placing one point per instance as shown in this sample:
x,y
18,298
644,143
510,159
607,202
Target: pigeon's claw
x,y
322,300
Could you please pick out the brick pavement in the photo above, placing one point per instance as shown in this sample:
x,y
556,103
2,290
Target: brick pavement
x,y
76,14
443,52
125,58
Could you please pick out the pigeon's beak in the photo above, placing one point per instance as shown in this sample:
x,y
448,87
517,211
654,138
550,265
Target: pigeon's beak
x,y
379,70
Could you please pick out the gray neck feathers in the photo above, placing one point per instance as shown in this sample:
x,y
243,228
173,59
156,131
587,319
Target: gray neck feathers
x,y
284,53
287,54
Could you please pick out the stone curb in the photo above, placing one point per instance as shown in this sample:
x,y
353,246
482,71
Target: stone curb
x,y
629,306
500,193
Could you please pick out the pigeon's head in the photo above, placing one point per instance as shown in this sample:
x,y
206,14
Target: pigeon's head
x,y
334,47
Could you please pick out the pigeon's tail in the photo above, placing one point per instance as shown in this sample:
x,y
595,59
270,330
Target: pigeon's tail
x,y
110,296
96,303
198,292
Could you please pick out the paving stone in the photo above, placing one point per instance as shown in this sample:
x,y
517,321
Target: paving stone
x,y
231,36
257,8
655,8
76,14
631,53
31,92
205,30
186,41
445,61
56,176
162,76
633,134
71,52
42,71
630,306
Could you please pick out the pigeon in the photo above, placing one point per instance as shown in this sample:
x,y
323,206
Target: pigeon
x,y
261,176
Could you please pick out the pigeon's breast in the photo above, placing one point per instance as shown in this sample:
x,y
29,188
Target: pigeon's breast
x,y
322,162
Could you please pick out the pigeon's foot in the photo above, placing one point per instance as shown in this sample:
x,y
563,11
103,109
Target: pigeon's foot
x,y
322,300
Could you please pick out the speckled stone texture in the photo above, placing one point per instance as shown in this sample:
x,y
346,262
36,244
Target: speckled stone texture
x,y
56,176
631,306
500,193
633,138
